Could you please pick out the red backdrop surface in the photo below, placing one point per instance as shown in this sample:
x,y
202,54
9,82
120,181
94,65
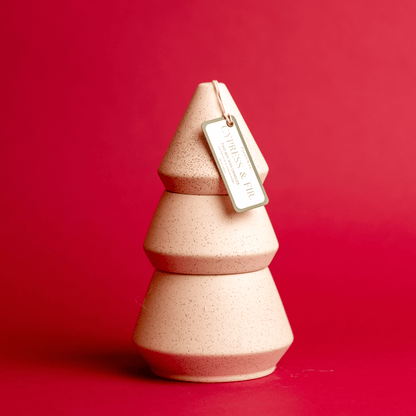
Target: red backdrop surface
x,y
92,93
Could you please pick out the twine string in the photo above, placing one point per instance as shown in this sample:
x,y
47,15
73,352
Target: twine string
x,y
226,115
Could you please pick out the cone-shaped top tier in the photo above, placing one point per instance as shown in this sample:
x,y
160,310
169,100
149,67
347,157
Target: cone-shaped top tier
x,y
188,166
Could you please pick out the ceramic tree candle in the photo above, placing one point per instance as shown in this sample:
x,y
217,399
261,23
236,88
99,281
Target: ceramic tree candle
x,y
212,312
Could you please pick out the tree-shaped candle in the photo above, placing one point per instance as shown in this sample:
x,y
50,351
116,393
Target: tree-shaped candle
x,y
212,312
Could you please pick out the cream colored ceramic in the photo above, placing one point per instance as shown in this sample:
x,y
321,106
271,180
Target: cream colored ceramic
x,y
202,234
212,312
188,166
213,328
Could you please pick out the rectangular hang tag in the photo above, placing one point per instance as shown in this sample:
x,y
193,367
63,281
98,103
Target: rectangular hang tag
x,y
235,164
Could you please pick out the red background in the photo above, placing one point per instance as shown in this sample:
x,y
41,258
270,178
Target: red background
x,y
91,94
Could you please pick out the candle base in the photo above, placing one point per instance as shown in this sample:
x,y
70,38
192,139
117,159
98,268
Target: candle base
x,y
214,379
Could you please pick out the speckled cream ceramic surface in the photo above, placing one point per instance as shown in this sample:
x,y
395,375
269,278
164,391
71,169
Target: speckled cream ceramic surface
x,y
188,166
213,328
202,234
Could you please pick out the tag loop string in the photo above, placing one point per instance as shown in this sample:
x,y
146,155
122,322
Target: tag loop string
x,y
226,115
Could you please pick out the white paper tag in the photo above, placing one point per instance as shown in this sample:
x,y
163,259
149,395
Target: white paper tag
x,y
235,164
